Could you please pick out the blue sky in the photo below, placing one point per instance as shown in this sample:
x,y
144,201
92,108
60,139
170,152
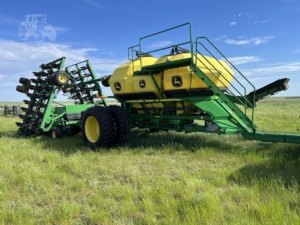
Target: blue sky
x,y
260,37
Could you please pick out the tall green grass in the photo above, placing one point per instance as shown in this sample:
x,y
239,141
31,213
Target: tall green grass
x,y
157,178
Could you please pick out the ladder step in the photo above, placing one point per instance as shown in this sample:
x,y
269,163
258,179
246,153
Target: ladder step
x,y
229,104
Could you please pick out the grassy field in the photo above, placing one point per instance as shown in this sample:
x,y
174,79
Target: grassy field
x,y
157,178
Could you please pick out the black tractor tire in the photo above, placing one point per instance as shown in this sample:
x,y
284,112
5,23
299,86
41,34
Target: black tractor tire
x,y
28,132
40,104
97,127
68,131
32,87
76,130
56,133
34,80
105,81
154,130
22,89
45,96
19,124
40,114
27,102
38,132
20,131
60,78
122,125
32,95
25,81
37,81
24,109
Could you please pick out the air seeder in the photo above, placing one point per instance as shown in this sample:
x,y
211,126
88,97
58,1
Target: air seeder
x,y
171,92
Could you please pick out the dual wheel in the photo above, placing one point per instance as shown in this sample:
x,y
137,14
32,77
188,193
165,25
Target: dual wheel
x,y
57,132
105,126
23,89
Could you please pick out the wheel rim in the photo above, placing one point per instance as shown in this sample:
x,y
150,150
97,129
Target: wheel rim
x,y
92,129
62,78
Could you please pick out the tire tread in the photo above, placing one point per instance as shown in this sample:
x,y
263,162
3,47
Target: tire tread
x,y
122,125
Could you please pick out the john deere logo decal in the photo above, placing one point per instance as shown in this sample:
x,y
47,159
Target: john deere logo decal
x,y
177,81
142,83
117,86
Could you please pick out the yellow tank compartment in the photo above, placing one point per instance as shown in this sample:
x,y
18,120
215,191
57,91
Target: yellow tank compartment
x,y
138,106
163,59
152,107
189,108
183,78
216,70
121,81
144,85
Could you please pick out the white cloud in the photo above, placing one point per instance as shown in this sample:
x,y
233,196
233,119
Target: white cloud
x,y
35,52
20,59
247,15
107,65
61,29
160,44
232,23
252,41
289,67
220,38
244,60
8,20
94,3
236,42
262,22
264,78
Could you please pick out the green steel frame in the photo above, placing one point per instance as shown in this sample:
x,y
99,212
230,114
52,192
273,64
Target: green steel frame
x,y
38,110
224,109
227,111
43,114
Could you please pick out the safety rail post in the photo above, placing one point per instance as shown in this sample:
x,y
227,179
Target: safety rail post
x,y
131,59
246,100
172,28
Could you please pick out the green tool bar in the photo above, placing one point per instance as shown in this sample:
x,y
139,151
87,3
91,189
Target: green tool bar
x,y
271,137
